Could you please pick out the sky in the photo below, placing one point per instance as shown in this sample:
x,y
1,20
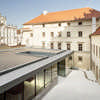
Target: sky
x,y
20,11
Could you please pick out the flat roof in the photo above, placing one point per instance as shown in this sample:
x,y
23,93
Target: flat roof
x,y
14,77
11,59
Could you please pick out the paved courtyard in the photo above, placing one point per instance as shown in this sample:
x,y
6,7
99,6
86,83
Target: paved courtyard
x,y
75,87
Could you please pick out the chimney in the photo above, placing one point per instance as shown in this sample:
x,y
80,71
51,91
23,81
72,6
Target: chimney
x,y
93,24
45,12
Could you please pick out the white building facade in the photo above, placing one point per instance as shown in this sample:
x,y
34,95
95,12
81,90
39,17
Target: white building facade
x,y
95,53
67,35
8,33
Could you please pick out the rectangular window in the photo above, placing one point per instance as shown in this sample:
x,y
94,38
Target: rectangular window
x,y
70,58
43,25
43,44
52,46
59,34
80,33
52,34
59,24
80,47
68,46
59,45
79,23
31,35
80,58
68,24
68,34
43,34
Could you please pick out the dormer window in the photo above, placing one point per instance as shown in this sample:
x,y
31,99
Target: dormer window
x,y
79,23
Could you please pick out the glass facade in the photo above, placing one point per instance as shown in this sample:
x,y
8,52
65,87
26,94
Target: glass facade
x,y
32,86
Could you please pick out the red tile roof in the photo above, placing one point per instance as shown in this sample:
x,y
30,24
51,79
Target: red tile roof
x,y
67,15
97,32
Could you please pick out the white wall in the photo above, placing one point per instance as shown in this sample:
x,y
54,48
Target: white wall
x,y
74,40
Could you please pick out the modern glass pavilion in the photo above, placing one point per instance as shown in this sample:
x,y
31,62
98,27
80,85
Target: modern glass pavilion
x,y
28,73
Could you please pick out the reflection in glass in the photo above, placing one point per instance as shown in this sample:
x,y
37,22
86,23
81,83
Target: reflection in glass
x,y
47,76
54,71
29,89
1,96
39,81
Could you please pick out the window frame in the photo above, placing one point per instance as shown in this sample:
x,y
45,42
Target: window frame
x,y
59,24
52,34
59,45
80,23
80,34
68,46
68,34
43,34
43,44
43,25
52,45
80,47
59,34
80,59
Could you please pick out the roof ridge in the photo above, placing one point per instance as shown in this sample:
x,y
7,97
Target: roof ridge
x,y
72,9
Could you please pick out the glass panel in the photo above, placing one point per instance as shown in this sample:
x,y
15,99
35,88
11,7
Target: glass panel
x,y
29,89
15,93
39,81
47,76
54,71
61,68
1,96
10,96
